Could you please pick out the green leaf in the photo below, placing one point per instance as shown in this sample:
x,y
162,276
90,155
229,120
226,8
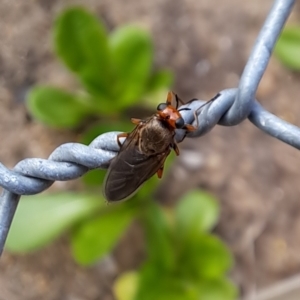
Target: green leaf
x,y
158,238
94,177
132,56
148,285
148,188
160,79
105,126
153,98
42,218
195,213
126,285
95,238
155,285
81,42
157,89
151,284
288,47
217,289
56,107
205,256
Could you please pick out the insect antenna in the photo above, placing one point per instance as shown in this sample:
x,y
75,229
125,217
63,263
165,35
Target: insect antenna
x,y
184,108
208,102
197,110
178,100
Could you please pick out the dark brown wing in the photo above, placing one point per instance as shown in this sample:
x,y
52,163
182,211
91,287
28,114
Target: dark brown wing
x,y
130,169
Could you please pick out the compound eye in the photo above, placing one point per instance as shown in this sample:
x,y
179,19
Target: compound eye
x,y
179,123
162,106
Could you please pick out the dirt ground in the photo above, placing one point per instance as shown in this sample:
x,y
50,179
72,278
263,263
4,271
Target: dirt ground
x,y
255,177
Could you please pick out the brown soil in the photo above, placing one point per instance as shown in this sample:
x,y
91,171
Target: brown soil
x,y
255,177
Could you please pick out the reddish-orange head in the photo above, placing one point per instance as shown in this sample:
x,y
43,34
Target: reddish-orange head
x,y
169,113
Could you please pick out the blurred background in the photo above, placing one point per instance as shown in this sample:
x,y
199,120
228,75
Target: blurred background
x,y
254,177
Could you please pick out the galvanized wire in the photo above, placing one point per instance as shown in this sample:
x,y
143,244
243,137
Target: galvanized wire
x,y
231,107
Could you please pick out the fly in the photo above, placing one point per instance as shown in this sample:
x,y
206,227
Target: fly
x,y
144,151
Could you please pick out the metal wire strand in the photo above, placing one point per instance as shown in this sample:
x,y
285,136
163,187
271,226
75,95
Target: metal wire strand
x,y
232,106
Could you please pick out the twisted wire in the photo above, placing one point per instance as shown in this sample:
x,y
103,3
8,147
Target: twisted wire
x,y
231,107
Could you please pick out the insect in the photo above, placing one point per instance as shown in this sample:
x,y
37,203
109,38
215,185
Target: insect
x,y
144,151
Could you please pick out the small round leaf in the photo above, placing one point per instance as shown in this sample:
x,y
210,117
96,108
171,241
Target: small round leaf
x,y
56,107
42,218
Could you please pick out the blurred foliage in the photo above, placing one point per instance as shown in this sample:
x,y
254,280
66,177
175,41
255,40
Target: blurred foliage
x,y
288,47
184,260
41,219
114,69
116,73
109,224
190,262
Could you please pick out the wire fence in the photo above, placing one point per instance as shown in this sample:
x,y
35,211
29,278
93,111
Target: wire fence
x,y
231,107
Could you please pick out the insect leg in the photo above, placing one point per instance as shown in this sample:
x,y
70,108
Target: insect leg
x,y
182,138
160,172
136,121
188,127
175,148
191,127
121,135
170,97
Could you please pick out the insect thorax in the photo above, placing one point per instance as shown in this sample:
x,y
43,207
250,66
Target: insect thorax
x,y
155,137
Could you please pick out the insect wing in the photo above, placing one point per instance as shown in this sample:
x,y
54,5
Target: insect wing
x,y
130,169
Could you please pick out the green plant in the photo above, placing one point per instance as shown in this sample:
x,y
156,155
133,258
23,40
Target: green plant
x,y
288,47
184,260
115,71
